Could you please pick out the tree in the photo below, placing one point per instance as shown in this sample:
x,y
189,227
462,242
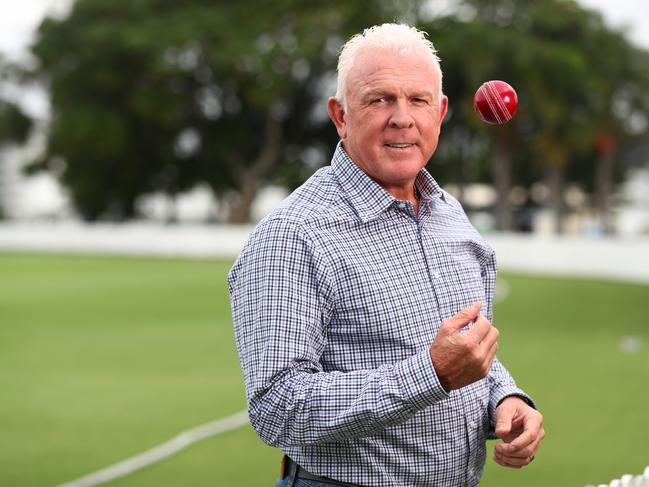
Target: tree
x,y
156,95
14,124
579,84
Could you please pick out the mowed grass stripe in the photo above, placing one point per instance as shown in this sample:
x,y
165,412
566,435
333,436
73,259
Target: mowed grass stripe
x,y
102,358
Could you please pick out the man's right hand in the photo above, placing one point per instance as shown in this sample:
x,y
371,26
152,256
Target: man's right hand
x,y
461,358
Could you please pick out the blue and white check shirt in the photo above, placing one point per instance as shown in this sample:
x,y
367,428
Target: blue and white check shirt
x,y
336,298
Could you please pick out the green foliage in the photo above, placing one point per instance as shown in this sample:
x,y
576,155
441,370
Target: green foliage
x,y
15,126
578,81
156,95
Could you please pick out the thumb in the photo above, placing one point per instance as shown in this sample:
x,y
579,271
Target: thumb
x,y
464,317
504,418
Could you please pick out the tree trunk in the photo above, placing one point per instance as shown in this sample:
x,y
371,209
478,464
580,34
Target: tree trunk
x,y
603,188
171,213
252,175
240,210
502,181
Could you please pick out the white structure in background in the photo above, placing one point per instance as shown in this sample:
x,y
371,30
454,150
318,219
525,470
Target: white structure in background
x,y
199,205
42,198
195,205
633,216
38,197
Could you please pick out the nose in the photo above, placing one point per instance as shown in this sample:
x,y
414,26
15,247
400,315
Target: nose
x,y
400,118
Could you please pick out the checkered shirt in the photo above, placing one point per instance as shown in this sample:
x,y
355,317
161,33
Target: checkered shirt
x,y
336,298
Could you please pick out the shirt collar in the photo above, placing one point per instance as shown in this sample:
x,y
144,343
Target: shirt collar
x,y
366,196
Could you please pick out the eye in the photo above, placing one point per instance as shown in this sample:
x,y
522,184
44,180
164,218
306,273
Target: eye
x,y
420,101
379,101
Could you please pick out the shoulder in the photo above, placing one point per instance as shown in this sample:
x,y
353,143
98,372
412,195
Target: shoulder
x,y
318,204
288,230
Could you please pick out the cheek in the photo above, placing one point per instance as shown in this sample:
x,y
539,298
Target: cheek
x,y
365,131
429,126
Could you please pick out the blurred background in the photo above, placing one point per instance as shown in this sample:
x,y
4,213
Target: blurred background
x,y
144,139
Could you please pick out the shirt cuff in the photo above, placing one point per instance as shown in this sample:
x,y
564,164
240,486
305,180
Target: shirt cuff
x,y
419,379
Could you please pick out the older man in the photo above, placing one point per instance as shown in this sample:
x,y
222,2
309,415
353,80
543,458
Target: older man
x,y
362,304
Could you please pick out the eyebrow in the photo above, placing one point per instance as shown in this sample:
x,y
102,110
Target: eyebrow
x,y
375,94
386,93
423,94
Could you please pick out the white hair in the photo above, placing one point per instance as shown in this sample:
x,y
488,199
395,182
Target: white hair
x,y
399,38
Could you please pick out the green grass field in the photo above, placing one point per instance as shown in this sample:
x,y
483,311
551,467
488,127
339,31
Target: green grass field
x,y
102,358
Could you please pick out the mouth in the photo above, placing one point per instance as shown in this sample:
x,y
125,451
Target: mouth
x,y
399,146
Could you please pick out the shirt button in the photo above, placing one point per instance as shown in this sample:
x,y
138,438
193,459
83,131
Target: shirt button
x,y
402,206
436,275
473,425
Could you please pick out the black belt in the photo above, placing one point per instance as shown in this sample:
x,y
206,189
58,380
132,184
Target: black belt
x,y
300,473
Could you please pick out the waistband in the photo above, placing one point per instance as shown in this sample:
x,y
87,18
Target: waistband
x,y
289,466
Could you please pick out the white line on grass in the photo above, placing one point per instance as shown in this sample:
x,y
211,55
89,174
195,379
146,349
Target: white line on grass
x,y
191,436
160,452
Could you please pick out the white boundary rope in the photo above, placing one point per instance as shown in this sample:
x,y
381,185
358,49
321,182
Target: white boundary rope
x,y
160,452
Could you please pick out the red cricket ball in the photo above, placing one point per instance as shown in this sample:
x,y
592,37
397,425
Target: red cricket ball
x,y
495,102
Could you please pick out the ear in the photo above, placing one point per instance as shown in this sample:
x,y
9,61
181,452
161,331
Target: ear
x,y
443,108
337,116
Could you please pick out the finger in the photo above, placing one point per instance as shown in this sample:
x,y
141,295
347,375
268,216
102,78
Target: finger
x,y
505,462
525,439
480,329
465,316
526,452
490,355
489,339
533,448
531,431
512,462
504,420
524,444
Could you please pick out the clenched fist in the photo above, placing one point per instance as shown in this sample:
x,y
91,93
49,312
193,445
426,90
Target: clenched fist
x,y
461,358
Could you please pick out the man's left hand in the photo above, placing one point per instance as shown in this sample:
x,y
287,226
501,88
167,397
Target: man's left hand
x,y
520,426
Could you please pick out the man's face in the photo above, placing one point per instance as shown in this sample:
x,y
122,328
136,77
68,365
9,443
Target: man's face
x,y
394,113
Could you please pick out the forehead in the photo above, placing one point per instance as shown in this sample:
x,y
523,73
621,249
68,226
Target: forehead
x,y
380,68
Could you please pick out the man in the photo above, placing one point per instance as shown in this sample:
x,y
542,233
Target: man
x,y
362,304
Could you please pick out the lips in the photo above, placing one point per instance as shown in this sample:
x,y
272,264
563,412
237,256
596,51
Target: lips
x,y
399,145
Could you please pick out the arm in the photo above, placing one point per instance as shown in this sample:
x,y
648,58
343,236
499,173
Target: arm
x,y
282,297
